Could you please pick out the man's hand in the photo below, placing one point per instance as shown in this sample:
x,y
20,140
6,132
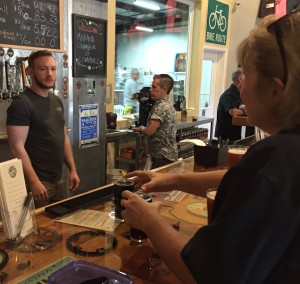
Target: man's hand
x,y
39,191
136,129
74,181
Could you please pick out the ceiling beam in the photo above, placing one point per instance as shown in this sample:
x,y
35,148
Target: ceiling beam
x,y
133,14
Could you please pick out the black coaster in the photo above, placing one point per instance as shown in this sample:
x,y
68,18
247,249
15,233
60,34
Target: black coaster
x,y
73,243
3,258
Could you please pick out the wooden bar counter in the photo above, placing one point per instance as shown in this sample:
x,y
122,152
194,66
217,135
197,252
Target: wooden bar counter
x,y
136,260
241,120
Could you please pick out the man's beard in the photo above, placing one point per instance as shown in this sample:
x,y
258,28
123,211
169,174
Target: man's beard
x,y
42,85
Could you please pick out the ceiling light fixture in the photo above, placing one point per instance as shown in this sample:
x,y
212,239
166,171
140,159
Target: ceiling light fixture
x,y
141,28
147,5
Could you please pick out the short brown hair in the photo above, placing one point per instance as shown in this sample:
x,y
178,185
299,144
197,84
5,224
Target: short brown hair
x,y
166,81
36,54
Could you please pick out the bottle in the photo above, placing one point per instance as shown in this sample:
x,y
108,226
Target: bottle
x,y
177,104
183,105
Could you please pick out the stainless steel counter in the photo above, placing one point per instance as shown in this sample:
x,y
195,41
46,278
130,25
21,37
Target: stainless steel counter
x,y
115,136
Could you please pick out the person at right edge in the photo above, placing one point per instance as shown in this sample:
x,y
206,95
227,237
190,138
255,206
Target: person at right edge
x,y
254,234
229,106
160,129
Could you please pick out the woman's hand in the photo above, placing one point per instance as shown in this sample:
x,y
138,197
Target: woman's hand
x,y
138,212
149,181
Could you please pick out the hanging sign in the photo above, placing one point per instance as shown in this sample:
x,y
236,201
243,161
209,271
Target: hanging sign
x,y
88,125
217,22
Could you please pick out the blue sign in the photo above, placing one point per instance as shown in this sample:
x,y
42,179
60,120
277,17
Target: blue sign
x,y
88,125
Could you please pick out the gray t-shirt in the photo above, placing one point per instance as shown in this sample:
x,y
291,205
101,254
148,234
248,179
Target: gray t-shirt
x,y
46,136
162,143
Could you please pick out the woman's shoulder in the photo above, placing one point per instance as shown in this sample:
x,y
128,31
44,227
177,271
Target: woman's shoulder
x,y
275,155
283,142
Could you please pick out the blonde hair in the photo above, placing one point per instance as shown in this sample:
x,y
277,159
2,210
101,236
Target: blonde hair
x,y
261,48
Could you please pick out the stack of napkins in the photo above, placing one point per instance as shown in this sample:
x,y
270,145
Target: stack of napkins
x,y
197,142
12,197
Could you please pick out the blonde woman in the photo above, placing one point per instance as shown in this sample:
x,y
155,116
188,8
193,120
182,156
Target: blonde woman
x,y
254,234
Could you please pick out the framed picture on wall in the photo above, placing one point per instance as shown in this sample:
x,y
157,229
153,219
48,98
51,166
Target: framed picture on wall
x,y
266,7
180,62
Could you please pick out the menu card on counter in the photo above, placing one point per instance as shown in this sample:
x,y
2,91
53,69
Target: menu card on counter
x,y
174,195
13,194
90,219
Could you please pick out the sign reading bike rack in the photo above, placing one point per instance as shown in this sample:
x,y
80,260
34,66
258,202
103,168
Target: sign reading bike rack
x,y
217,22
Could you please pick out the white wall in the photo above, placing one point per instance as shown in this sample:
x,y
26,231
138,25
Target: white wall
x,y
153,51
243,20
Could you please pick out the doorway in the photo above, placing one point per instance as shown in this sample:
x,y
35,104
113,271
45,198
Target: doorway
x,y
212,82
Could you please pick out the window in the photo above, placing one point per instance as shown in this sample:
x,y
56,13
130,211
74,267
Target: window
x,y
160,47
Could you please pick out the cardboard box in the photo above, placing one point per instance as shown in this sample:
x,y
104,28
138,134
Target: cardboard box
x,y
208,156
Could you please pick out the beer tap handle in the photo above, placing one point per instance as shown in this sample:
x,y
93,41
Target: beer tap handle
x,y
91,92
23,75
7,75
1,75
23,69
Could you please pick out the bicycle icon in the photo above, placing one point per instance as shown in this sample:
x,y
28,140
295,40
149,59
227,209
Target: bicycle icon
x,y
215,18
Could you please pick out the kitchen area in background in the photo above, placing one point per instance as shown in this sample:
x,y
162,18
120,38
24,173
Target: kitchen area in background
x,y
152,39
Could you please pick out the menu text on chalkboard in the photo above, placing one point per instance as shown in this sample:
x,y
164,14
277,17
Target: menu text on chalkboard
x,y
31,23
89,47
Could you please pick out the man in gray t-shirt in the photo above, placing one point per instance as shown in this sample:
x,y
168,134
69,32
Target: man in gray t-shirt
x,y
160,130
37,135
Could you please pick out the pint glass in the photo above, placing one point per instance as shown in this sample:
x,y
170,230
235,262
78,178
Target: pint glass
x,y
235,153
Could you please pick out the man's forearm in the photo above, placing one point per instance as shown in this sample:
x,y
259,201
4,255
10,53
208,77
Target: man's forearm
x,y
29,172
68,155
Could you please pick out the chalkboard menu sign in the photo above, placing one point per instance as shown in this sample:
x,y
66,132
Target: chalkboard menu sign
x,y
31,23
89,47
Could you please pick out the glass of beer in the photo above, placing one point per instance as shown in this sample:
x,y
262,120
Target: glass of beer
x,y
119,187
138,235
235,153
210,198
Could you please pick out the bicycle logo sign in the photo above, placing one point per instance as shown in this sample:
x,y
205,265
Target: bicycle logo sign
x,y
217,21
